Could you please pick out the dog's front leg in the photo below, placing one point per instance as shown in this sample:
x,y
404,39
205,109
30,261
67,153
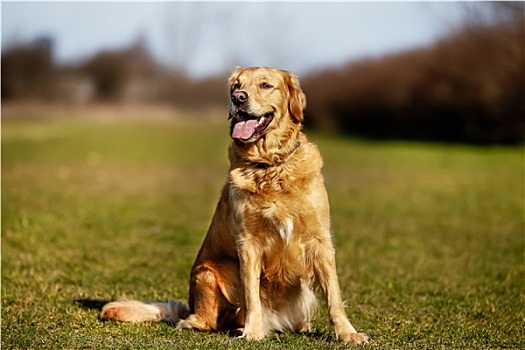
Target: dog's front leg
x,y
250,268
325,271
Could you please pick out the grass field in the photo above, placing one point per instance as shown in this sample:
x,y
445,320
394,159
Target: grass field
x,y
429,237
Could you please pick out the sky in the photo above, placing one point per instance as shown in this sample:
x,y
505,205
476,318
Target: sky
x,y
210,38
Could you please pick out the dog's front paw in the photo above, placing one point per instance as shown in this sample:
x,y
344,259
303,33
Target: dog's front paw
x,y
252,333
353,338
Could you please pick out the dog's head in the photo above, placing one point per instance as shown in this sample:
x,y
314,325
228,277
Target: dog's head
x,y
262,101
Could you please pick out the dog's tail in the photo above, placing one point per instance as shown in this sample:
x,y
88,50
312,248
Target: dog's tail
x,y
141,311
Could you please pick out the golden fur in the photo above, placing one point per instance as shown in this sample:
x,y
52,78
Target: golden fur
x,y
269,245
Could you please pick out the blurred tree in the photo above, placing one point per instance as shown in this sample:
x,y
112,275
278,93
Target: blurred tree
x,y
27,70
236,33
476,14
130,73
184,33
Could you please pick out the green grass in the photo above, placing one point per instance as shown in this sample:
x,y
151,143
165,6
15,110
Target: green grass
x,y
429,237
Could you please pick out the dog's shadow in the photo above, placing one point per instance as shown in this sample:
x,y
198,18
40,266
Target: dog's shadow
x,y
91,304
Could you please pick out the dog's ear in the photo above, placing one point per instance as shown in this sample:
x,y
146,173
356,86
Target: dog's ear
x,y
234,76
232,79
297,102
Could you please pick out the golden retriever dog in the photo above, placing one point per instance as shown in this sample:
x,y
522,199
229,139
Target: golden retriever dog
x,y
269,245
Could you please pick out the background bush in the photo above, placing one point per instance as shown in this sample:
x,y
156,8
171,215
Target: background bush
x,y
468,87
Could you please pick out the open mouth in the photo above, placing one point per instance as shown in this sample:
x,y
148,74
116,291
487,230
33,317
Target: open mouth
x,y
249,127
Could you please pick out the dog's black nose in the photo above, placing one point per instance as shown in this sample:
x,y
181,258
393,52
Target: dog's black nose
x,y
239,97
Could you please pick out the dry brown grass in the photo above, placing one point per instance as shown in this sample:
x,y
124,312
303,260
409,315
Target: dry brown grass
x,y
39,110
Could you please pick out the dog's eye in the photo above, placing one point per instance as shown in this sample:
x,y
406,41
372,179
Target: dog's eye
x,y
236,86
265,85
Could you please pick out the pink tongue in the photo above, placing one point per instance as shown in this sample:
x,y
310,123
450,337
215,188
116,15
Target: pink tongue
x,y
244,130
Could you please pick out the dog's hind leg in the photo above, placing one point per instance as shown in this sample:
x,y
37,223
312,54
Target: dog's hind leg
x,y
209,308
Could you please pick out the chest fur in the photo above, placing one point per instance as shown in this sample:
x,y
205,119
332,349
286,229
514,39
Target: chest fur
x,y
267,215
271,202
